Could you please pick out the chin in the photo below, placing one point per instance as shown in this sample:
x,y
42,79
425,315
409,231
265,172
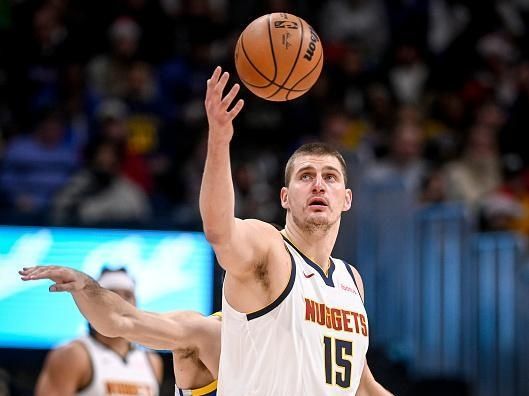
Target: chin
x,y
318,221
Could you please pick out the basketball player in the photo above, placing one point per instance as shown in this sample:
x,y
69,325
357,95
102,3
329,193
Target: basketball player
x,y
97,365
294,322
193,339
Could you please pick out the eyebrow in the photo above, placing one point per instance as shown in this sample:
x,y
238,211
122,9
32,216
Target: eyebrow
x,y
325,168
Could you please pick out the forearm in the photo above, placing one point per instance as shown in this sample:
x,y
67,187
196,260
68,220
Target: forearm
x,y
217,198
106,311
369,386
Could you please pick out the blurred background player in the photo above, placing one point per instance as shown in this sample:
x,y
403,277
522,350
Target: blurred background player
x,y
100,365
193,339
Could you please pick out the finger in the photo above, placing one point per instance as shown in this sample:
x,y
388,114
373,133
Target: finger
x,y
215,76
27,271
212,81
62,287
44,272
40,269
226,102
236,109
37,276
219,88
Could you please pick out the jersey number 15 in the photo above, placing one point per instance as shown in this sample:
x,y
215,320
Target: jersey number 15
x,y
338,361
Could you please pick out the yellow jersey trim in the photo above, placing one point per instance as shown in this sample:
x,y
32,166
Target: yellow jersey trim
x,y
205,390
218,314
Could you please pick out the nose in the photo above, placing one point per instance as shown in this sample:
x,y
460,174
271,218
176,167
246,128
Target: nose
x,y
319,185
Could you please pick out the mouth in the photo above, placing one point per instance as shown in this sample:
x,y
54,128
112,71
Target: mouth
x,y
318,203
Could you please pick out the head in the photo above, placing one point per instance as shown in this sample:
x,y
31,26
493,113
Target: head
x,y
120,282
125,35
406,143
315,193
104,157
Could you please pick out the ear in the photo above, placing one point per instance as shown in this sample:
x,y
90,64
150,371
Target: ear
x,y
348,200
284,197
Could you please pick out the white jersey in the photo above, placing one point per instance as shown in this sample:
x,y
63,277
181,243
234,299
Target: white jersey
x,y
311,341
113,375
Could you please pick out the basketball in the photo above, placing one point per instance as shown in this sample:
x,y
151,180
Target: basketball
x,y
278,56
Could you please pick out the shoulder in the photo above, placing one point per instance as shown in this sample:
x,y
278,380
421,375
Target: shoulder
x,y
72,359
74,351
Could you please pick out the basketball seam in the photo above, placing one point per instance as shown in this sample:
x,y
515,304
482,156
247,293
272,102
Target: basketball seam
x,y
271,82
272,47
304,77
282,86
290,90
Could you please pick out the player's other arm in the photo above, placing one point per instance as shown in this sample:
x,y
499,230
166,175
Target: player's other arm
x,y
368,385
112,316
66,370
237,243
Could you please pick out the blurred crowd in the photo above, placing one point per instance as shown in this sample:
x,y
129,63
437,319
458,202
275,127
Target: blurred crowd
x,y
102,119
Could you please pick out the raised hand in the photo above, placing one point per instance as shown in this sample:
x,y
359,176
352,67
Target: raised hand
x,y
66,279
220,120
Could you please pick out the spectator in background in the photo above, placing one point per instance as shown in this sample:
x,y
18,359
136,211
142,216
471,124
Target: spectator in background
x,y
507,208
36,166
35,69
433,188
404,162
477,172
112,121
145,122
108,72
361,20
100,194
408,75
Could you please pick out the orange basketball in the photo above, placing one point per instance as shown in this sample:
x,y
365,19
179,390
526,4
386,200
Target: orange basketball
x,y
278,56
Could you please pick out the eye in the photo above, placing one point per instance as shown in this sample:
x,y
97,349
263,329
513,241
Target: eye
x,y
331,177
305,177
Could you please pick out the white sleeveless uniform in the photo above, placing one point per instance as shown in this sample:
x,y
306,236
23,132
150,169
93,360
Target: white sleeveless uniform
x,y
311,341
114,376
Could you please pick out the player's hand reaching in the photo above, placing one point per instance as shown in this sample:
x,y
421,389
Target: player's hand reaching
x,y
66,279
220,120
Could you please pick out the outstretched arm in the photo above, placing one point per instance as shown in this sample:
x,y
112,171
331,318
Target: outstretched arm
x,y
237,243
112,316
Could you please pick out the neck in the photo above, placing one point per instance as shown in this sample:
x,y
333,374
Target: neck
x,y
119,345
316,245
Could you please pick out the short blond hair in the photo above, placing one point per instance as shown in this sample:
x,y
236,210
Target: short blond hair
x,y
319,149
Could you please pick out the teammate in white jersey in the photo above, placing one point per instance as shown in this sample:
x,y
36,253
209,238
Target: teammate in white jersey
x,y
97,365
294,322
193,339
